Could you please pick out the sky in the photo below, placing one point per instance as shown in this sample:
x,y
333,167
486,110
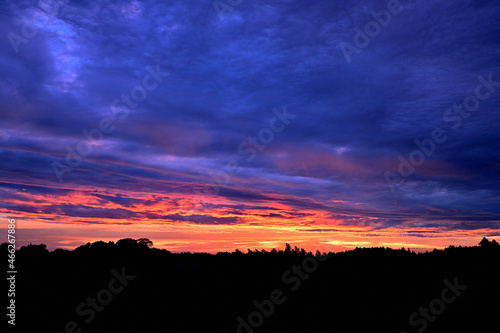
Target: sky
x,y
214,125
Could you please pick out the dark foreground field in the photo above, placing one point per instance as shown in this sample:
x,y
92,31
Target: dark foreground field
x,y
131,287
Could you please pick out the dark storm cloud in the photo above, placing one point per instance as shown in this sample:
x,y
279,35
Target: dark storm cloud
x,y
226,76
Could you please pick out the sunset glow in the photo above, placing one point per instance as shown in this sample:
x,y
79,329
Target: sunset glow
x,y
206,132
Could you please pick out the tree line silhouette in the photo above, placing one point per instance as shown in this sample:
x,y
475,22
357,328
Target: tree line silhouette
x,y
361,290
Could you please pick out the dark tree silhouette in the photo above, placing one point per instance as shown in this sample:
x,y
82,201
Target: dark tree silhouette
x,y
488,244
145,242
366,289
